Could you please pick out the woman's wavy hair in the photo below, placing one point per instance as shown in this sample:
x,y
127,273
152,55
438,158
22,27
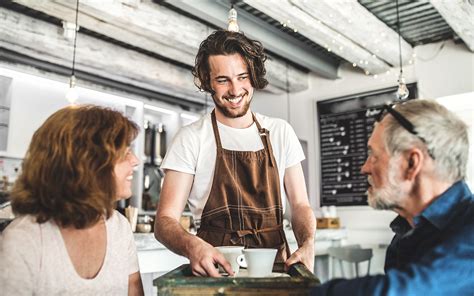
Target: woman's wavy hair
x,y
68,171
226,43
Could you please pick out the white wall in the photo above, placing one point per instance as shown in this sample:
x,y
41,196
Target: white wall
x,y
444,69
439,72
35,98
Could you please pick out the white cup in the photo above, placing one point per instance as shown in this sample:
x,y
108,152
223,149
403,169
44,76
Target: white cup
x,y
325,212
259,262
231,254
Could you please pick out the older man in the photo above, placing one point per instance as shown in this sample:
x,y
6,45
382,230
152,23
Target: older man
x,y
416,167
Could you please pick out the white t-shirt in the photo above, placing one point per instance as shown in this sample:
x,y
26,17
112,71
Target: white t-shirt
x,y
34,260
193,151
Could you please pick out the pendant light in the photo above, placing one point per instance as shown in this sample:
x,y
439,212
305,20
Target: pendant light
x,y
402,91
232,26
72,94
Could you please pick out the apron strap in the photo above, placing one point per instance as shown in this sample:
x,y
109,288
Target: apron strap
x,y
256,122
265,136
287,246
239,234
216,130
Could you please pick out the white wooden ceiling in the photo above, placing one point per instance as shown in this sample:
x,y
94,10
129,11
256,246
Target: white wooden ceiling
x,y
362,32
151,44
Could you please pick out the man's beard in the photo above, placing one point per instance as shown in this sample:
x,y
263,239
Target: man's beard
x,y
234,113
390,196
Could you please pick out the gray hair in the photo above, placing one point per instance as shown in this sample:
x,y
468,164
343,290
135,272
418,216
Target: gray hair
x,y
445,135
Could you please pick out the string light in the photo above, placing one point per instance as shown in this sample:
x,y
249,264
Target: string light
x,y
288,23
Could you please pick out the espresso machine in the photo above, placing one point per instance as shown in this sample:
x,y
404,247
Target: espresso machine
x,y
155,149
9,170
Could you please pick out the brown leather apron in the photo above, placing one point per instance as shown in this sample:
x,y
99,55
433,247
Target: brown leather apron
x,y
244,206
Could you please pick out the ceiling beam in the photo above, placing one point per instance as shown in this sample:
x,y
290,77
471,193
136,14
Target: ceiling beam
x,y
216,12
359,26
157,30
43,41
459,14
343,27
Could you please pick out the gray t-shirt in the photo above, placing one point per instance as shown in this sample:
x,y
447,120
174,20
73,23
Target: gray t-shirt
x,y
34,260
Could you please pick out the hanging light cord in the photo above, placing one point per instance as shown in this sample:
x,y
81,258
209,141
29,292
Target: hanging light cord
x,y
75,40
399,39
288,93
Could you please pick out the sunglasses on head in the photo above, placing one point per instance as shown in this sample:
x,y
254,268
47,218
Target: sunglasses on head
x,y
402,120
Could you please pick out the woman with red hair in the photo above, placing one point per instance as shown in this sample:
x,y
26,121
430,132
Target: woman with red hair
x,y
67,239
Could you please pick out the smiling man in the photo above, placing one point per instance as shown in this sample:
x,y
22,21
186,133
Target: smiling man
x,y
234,168
416,167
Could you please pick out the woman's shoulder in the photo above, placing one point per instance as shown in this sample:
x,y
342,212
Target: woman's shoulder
x,y
23,231
25,224
117,218
118,222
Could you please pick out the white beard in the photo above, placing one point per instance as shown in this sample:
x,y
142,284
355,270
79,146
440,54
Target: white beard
x,y
391,195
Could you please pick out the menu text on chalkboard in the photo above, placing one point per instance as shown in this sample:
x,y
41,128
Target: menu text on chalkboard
x,y
345,125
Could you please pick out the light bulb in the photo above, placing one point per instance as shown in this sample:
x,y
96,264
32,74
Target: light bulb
x,y
233,26
72,95
402,91
69,29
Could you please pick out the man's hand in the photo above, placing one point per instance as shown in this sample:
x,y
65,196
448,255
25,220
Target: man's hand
x,y
305,255
203,257
169,232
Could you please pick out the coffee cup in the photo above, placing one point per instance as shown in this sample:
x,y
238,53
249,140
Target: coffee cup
x,y
259,262
231,254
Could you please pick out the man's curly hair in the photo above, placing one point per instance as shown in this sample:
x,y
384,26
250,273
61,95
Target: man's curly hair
x,y
227,43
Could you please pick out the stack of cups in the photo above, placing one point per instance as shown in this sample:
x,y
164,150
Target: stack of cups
x,y
329,212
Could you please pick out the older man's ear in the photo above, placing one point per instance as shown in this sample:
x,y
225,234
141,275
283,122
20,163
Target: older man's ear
x,y
414,160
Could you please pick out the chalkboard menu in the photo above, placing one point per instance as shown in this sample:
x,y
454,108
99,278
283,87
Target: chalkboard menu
x,y
345,125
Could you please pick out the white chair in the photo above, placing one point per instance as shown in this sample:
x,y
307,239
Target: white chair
x,y
352,254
